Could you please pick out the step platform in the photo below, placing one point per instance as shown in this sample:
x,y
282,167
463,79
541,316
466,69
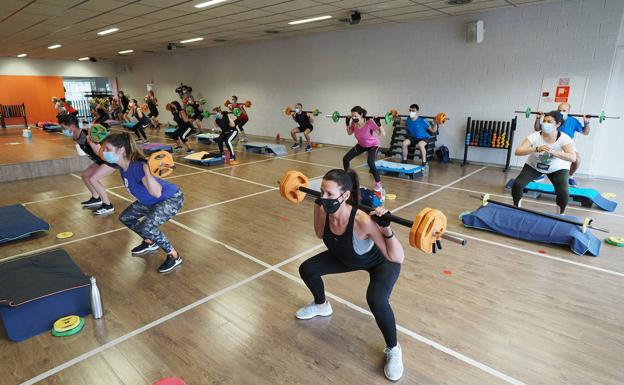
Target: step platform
x,y
169,131
398,169
128,125
586,196
205,158
262,148
150,148
37,290
22,223
52,128
207,137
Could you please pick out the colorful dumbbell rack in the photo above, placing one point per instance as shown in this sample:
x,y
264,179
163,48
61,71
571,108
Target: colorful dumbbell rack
x,y
490,134
12,111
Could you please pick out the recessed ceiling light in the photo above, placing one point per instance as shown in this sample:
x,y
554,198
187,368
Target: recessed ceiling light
x,y
107,31
458,2
84,58
310,20
22,55
55,46
126,51
209,3
192,40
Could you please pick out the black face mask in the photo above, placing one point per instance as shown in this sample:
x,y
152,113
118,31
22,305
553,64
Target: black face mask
x,y
331,205
355,120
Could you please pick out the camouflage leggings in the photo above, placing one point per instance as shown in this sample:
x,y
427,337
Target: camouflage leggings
x,y
153,217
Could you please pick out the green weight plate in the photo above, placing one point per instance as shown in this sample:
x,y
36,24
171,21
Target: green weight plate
x,y
98,133
316,112
336,116
236,112
527,113
70,332
602,117
388,118
615,241
206,114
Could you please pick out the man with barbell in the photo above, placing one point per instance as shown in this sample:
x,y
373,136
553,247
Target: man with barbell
x,y
304,121
157,201
241,119
569,127
355,242
418,131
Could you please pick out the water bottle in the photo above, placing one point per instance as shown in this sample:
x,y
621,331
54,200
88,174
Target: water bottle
x,y
96,300
227,156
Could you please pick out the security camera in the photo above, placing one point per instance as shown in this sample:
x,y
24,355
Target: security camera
x,y
171,46
355,18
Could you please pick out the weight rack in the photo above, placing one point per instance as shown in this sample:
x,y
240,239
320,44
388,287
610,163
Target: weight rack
x,y
12,111
497,135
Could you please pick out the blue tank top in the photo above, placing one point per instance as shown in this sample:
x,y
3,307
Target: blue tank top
x,y
132,180
418,128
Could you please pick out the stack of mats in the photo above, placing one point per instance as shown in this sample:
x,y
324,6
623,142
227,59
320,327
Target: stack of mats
x,y
205,158
150,148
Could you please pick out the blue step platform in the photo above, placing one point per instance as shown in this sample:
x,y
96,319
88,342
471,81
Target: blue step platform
x,y
410,170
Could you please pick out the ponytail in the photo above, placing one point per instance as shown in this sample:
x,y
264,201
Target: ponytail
x,y
346,180
133,152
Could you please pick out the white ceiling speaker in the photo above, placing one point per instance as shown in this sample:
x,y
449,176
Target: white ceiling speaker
x,y
475,32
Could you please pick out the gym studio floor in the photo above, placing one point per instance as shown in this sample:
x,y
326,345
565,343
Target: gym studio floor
x,y
496,311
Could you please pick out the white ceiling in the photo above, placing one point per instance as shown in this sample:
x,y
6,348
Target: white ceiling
x,y
146,26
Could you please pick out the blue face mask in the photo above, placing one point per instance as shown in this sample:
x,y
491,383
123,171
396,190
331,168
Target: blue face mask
x,y
111,157
547,128
67,132
217,115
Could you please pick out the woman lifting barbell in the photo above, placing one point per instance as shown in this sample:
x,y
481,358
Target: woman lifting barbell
x,y
366,131
241,119
185,127
93,175
355,242
550,152
142,123
304,121
227,123
157,200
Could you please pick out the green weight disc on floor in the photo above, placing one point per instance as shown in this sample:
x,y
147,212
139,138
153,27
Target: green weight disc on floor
x,y
615,241
70,332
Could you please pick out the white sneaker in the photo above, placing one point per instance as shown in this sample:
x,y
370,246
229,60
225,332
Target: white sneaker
x,y
394,363
312,310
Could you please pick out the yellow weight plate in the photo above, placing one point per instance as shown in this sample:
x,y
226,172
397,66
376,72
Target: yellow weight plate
x,y
66,323
65,234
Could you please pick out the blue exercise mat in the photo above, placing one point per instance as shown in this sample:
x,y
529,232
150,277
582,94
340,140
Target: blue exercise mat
x,y
37,290
205,158
150,148
17,222
532,227
589,194
128,124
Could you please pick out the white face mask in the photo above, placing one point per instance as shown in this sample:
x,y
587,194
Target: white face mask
x,y
547,128
298,110
413,114
564,115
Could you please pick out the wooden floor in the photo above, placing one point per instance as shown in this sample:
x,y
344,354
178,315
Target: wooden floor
x,y
510,311
14,148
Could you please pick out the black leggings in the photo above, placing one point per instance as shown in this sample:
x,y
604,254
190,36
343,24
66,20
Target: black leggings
x,y
239,123
559,179
382,279
372,155
139,130
227,138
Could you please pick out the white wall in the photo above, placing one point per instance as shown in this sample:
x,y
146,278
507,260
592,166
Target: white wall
x,y
426,62
40,67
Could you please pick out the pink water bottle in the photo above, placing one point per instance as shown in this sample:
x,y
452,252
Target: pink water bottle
x,y
227,155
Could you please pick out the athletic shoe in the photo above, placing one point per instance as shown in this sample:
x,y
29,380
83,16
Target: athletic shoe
x,y
295,146
145,141
539,178
394,363
404,161
144,247
312,310
244,139
308,148
190,151
92,202
170,263
177,148
104,209
572,182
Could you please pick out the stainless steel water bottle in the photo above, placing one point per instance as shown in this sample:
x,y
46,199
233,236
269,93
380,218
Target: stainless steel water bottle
x,y
96,300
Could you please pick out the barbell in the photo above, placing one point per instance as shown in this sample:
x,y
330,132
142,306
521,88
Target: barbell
x,y
439,118
585,224
289,110
426,231
335,116
601,118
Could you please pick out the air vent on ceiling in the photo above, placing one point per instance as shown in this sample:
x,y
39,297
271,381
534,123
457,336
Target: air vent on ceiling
x,y
458,2
272,31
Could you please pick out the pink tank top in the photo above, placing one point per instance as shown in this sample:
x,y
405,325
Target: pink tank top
x,y
368,135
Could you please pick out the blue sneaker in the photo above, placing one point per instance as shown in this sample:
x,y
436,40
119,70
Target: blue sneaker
x,y
539,178
572,182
